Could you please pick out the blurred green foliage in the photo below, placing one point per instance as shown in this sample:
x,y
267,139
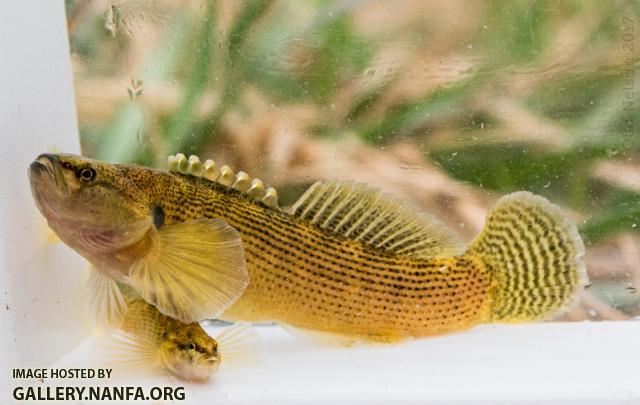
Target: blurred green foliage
x,y
265,47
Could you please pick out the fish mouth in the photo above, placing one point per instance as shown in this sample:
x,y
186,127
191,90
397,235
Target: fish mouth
x,y
47,168
41,165
48,185
197,372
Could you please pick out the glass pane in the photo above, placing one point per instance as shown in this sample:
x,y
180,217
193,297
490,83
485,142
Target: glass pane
x,y
446,105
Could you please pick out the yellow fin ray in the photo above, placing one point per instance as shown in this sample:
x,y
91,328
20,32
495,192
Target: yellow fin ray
x,y
238,344
365,214
131,352
51,237
193,271
535,256
106,303
137,344
343,340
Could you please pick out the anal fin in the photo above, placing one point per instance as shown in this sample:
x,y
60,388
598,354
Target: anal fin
x,y
327,338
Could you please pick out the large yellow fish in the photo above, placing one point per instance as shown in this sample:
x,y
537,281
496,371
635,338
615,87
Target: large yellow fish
x,y
345,259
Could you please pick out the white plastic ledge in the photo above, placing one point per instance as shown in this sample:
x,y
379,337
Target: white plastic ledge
x,y
544,362
41,316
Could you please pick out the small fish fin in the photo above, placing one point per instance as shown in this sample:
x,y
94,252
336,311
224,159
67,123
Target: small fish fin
x,y
105,300
51,237
360,338
131,352
194,270
224,175
363,213
238,344
136,345
320,338
535,256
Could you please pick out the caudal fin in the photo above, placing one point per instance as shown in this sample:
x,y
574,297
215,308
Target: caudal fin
x,y
535,254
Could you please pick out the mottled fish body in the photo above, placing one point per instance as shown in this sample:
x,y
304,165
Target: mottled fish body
x,y
345,259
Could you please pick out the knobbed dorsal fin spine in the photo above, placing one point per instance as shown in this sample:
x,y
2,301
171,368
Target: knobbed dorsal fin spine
x,y
211,171
256,189
224,175
227,176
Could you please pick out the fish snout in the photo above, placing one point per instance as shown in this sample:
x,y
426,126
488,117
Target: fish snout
x,y
42,163
47,170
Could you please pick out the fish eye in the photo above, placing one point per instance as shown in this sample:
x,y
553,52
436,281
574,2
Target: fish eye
x,y
87,174
192,346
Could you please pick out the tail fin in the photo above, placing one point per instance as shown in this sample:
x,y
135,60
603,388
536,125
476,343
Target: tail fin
x,y
535,254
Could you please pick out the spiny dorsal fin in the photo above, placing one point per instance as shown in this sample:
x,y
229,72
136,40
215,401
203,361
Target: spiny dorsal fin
x,y
242,181
363,213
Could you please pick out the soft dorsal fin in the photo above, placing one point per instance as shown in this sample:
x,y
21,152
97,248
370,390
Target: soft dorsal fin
x,y
365,214
224,175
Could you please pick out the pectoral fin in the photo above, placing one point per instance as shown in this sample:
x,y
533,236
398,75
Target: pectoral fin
x,y
238,344
130,352
194,270
106,303
136,345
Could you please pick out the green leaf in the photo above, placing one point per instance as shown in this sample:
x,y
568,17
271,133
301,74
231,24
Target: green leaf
x,y
124,141
512,167
182,122
204,131
515,32
572,97
612,220
413,115
622,297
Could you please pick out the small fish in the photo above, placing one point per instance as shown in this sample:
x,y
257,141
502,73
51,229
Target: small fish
x,y
344,260
151,340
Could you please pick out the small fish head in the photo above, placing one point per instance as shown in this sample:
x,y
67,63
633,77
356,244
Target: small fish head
x,y
190,353
87,203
